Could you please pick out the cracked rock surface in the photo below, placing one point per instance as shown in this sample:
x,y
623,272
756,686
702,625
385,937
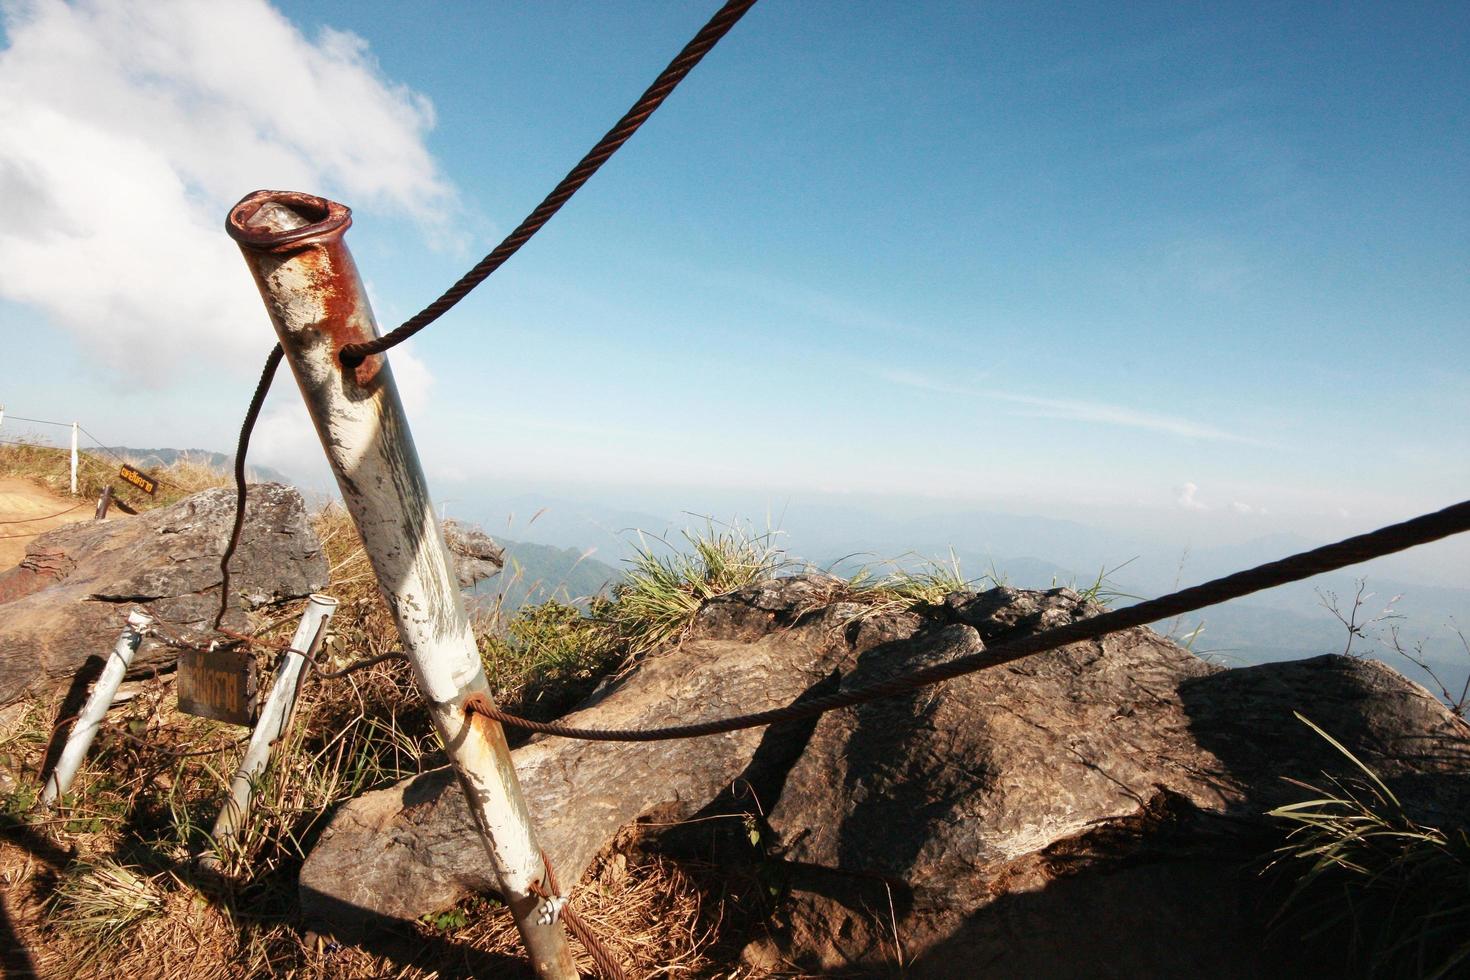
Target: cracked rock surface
x,y
70,596
1097,810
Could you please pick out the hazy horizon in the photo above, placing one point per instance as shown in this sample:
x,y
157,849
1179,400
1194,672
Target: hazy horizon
x,y
1190,275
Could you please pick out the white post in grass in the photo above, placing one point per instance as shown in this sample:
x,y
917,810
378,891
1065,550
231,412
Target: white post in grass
x,y
74,428
293,245
274,720
85,730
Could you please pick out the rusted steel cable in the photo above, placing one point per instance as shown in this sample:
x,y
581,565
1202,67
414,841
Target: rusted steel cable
x,y
1384,541
352,355
141,743
267,374
357,665
47,517
551,891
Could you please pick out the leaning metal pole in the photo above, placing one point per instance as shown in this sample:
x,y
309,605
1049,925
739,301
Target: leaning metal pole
x,y
294,247
85,730
274,721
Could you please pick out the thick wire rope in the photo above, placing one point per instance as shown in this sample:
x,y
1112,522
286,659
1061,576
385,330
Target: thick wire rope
x,y
1396,537
47,517
267,373
354,354
719,25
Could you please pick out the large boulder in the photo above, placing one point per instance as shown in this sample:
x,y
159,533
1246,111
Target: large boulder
x,y
1105,800
1093,811
412,848
70,597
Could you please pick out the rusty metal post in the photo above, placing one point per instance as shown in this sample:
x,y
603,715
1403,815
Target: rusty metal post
x,y
104,500
85,730
294,247
274,720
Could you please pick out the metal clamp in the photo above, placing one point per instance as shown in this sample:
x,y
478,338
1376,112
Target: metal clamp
x,y
551,910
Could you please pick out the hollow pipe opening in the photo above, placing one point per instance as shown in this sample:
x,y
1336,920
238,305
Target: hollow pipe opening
x,y
277,220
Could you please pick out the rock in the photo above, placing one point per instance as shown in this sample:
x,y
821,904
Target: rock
x,y
70,597
1092,811
411,848
476,556
1106,797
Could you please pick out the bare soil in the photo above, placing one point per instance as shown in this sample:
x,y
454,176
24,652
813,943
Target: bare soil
x,y
28,510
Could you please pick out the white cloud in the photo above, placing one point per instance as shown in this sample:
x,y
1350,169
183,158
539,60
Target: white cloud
x,y
1118,415
1187,497
1240,507
284,439
128,127
1069,410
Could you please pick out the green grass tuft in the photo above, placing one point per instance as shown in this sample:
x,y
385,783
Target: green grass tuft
x,y
661,594
1399,890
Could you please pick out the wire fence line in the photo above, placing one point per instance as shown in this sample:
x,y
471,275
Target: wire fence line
x,y
47,517
97,444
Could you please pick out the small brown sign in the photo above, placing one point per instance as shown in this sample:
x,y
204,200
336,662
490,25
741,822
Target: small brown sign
x,y
218,685
138,479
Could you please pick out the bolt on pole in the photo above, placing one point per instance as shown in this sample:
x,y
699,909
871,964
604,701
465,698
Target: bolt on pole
x,y
294,247
85,730
273,722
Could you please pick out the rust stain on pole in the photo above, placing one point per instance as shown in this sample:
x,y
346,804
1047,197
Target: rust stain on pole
x,y
293,244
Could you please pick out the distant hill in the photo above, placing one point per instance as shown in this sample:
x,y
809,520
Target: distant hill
x,y
538,572
146,459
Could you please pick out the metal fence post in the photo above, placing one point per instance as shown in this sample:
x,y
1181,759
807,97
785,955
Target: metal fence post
x,y
274,719
74,428
104,500
294,247
85,730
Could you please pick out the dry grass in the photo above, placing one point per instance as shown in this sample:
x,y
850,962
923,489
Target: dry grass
x,y
107,885
50,467
1398,890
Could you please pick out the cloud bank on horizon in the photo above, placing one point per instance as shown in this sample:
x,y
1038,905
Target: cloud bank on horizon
x,y
128,128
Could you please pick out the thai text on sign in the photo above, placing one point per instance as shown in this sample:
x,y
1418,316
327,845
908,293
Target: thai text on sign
x,y
138,479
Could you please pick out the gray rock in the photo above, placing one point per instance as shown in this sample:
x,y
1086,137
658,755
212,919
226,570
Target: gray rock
x,y
70,596
476,556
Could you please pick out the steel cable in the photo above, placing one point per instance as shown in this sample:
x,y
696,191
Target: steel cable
x,y
601,955
1396,537
719,25
267,373
47,517
353,354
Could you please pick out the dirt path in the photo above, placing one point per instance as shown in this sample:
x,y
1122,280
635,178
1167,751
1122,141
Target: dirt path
x,y
21,504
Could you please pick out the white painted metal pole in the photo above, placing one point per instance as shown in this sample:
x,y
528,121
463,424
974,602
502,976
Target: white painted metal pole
x,y
293,245
85,730
275,717
74,428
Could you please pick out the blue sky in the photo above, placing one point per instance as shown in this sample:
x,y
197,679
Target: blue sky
x,y
1194,268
